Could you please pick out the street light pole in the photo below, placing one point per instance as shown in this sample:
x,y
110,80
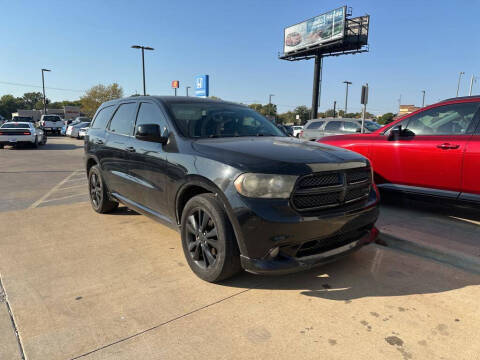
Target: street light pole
x,y
472,80
423,98
346,94
334,108
188,87
44,98
459,78
270,104
143,48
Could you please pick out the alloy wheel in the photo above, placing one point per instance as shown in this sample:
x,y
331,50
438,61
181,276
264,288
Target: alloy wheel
x,y
96,191
202,239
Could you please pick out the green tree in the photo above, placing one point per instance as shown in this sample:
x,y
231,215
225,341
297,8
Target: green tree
x,y
31,99
386,118
303,112
10,104
265,110
97,95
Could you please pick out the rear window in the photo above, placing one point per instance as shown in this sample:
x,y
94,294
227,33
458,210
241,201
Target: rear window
x,y
15,126
102,118
51,118
22,118
315,125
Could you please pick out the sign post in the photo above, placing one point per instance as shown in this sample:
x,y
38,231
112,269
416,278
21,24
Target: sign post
x,y
364,101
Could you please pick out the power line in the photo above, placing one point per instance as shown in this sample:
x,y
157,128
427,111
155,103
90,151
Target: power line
x,y
38,86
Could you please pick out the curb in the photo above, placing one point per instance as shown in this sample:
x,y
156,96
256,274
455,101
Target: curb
x,y
437,253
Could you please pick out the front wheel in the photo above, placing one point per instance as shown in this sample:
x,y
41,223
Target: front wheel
x,y
99,198
208,240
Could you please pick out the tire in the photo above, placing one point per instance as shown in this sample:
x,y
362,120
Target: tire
x,y
1,146
35,144
213,257
98,193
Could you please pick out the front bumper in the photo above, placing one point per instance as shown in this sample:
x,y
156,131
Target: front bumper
x,y
303,241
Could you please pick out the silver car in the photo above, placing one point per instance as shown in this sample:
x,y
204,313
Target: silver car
x,y
318,128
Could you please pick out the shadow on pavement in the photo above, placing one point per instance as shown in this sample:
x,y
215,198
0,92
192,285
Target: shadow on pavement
x,y
47,146
370,272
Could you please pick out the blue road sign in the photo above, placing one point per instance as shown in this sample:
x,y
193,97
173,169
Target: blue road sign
x,y
201,85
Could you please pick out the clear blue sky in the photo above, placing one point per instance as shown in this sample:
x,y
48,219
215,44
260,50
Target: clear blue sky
x,y
414,45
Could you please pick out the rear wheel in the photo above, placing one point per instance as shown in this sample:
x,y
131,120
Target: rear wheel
x,y
1,146
99,198
208,240
35,144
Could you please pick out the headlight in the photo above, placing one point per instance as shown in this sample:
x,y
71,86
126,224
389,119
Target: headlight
x,y
265,185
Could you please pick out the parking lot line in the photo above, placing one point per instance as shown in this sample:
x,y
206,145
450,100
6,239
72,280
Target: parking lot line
x,y
64,197
72,187
52,190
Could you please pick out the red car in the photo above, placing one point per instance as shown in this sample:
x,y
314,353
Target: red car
x,y
434,151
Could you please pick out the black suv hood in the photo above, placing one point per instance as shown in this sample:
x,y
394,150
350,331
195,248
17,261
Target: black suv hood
x,y
284,155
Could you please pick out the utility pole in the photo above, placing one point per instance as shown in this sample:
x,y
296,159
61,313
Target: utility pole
x,y
423,98
270,104
44,98
143,48
188,87
399,102
459,78
472,80
334,107
364,101
346,93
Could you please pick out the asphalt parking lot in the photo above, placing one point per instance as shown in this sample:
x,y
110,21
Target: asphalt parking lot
x,y
76,284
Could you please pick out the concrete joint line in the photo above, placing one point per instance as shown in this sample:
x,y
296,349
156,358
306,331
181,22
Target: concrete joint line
x,y
159,325
4,299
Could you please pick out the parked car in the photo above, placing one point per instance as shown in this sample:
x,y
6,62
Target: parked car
x,y
83,132
318,128
28,119
73,130
297,129
434,151
240,192
51,123
16,133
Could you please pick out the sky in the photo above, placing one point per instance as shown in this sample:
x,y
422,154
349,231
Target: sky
x,y
414,46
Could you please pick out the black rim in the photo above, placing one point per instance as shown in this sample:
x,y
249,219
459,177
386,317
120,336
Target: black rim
x,y
96,191
202,239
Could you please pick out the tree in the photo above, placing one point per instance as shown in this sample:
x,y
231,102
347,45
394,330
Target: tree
x,y
386,118
31,99
304,113
10,104
97,95
265,110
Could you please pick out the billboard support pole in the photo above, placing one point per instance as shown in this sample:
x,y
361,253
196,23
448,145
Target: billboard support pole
x,y
317,85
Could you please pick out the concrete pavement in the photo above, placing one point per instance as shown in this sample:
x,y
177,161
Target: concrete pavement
x,y
118,287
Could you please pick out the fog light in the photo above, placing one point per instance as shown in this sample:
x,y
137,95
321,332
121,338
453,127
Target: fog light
x,y
273,252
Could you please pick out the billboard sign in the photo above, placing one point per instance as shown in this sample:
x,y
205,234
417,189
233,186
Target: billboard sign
x,y
175,84
315,31
202,85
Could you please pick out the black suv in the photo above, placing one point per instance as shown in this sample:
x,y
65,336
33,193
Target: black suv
x,y
241,192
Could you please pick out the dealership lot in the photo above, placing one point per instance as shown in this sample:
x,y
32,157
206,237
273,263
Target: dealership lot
x,y
83,285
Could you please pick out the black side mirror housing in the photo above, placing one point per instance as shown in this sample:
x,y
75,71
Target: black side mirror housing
x,y
151,132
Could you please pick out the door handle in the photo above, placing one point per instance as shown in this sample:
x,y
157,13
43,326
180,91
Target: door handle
x,y
130,149
447,146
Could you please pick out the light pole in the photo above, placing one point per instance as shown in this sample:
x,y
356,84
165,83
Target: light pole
x,y
459,78
346,94
423,98
270,104
187,87
44,98
143,62
472,80
334,108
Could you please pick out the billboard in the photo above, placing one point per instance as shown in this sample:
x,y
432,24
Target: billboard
x,y
315,31
201,86
175,84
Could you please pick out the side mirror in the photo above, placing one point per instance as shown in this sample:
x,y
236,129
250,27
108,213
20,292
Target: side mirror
x,y
151,132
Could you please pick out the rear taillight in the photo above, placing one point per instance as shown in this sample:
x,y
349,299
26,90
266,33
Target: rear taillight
x,y
27,133
1,133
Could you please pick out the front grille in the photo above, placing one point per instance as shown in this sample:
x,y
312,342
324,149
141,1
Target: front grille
x,y
315,247
332,189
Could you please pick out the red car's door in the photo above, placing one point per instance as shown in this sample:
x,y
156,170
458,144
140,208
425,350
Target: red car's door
x,y
429,153
471,169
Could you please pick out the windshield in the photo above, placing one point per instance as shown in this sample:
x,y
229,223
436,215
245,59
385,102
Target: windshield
x,y
209,120
15,126
371,125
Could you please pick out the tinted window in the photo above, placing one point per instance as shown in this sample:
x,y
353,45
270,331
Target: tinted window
x,y
315,125
150,114
333,126
15,126
454,119
349,126
209,119
101,120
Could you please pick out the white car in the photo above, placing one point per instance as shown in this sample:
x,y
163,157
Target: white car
x,y
14,133
83,132
51,123
73,131
297,129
